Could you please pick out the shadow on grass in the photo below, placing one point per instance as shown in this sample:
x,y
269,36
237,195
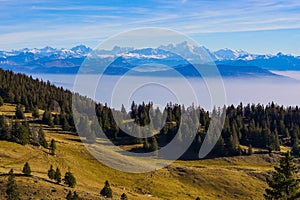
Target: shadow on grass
x,y
31,176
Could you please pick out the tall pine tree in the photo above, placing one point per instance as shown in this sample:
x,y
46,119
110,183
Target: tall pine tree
x,y
1,101
284,185
12,189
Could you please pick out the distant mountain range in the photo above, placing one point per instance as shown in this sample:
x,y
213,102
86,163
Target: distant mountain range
x,y
229,62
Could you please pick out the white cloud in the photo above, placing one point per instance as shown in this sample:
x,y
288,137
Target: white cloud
x,y
47,22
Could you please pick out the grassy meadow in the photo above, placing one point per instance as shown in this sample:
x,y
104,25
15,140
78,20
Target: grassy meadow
x,y
240,177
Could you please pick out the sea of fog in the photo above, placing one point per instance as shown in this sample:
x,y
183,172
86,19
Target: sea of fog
x,y
116,90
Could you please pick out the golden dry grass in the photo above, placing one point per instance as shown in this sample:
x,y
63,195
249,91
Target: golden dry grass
x,y
8,109
219,178
240,177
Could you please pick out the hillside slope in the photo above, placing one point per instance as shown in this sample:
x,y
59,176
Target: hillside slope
x,y
219,178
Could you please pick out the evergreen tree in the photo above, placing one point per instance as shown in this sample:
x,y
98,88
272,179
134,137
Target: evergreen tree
x,y
106,191
136,130
295,149
19,112
123,110
52,147
57,176
284,185
84,127
179,136
124,197
276,141
154,144
75,196
51,173
56,119
219,148
42,140
20,132
19,88
26,169
65,124
69,196
146,145
70,180
295,146
12,189
233,146
1,101
35,112
5,133
157,119
47,118
250,151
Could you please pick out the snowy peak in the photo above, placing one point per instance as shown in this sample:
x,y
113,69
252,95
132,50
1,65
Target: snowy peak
x,y
228,54
147,53
184,49
47,51
171,55
81,49
190,52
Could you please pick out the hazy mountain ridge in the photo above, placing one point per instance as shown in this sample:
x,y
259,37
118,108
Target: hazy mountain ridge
x,y
53,60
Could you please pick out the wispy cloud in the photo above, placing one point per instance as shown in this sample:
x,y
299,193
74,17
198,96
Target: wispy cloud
x,y
75,8
40,21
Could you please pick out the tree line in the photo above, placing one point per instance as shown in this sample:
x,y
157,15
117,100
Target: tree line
x,y
35,94
252,125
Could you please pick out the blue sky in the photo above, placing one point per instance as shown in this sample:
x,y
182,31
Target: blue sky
x,y
257,26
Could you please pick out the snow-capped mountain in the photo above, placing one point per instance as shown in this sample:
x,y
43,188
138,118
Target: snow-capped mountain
x,y
190,52
64,60
228,54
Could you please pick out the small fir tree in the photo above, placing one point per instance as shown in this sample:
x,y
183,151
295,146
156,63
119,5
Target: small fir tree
x,y
106,191
42,140
69,196
51,173
154,144
12,189
124,197
35,112
73,196
26,169
250,150
76,196
19,112
52,147
70,179
57,176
